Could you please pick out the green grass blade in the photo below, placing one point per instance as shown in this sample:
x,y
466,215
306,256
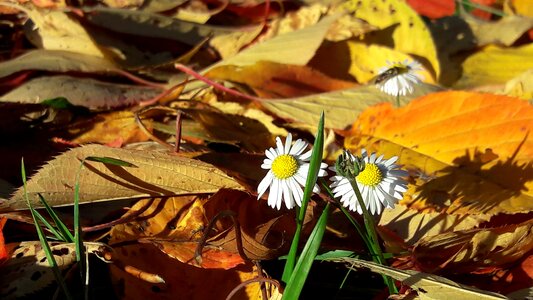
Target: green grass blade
x,y
42,238
80,249
298,277
312,175
110,161
51,228
63,229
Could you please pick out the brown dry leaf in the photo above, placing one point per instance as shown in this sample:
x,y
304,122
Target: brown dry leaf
x,y
28,271
86,92
410,225
274,80
250,134
176,226
474,157
108,128
56,61
152,174
502,32
428,286
189,282
230,44
473,250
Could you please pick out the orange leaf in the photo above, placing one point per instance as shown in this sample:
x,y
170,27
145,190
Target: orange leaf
x,y
467,152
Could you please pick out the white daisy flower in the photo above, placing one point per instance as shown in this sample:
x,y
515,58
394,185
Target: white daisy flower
x,y
398,79
380,184
287,173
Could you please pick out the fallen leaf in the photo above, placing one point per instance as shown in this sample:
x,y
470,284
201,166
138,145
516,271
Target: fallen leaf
x,y
28,271
473,157
521,86
152,174
368,59
409,32
56,61
3,250
471,250
56,30
110,127
86,92
274,80
502,32
495,66
297,47
433,8
428,286
410,225
340,107
181,279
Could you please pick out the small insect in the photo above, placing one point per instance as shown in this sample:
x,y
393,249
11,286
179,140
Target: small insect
x,y
389,73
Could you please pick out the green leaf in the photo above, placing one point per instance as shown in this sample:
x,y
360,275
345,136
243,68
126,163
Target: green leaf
x,y
298,277
312,175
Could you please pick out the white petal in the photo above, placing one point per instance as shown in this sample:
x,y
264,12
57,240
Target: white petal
x,y
288,143
298,193
272,196
280,148
287,194
298,147
270,153
306,156
264,184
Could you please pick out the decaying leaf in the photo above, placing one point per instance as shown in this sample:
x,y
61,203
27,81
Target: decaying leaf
x,y
56,61
273,80
428,286
340,107
152,174
181,279
411,225
28,271
472,250
474,157
86,92
521,86
108,128
177,225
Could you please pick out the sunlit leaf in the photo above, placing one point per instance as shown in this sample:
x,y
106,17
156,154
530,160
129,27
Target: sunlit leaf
x,y
472,250
409,32
495,66
472,157
155,174
427,286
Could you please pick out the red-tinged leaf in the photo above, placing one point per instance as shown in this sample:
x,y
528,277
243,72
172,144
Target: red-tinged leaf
x,y
433,8
3,250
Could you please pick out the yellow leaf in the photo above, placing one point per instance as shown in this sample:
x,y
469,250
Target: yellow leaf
x,y
410,33
473,157
495,66
366,60
521,86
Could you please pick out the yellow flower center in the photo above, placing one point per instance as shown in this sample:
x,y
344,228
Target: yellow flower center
x,y
371,175
284,166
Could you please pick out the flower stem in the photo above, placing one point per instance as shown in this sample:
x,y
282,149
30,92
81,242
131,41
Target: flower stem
x,y
371,230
